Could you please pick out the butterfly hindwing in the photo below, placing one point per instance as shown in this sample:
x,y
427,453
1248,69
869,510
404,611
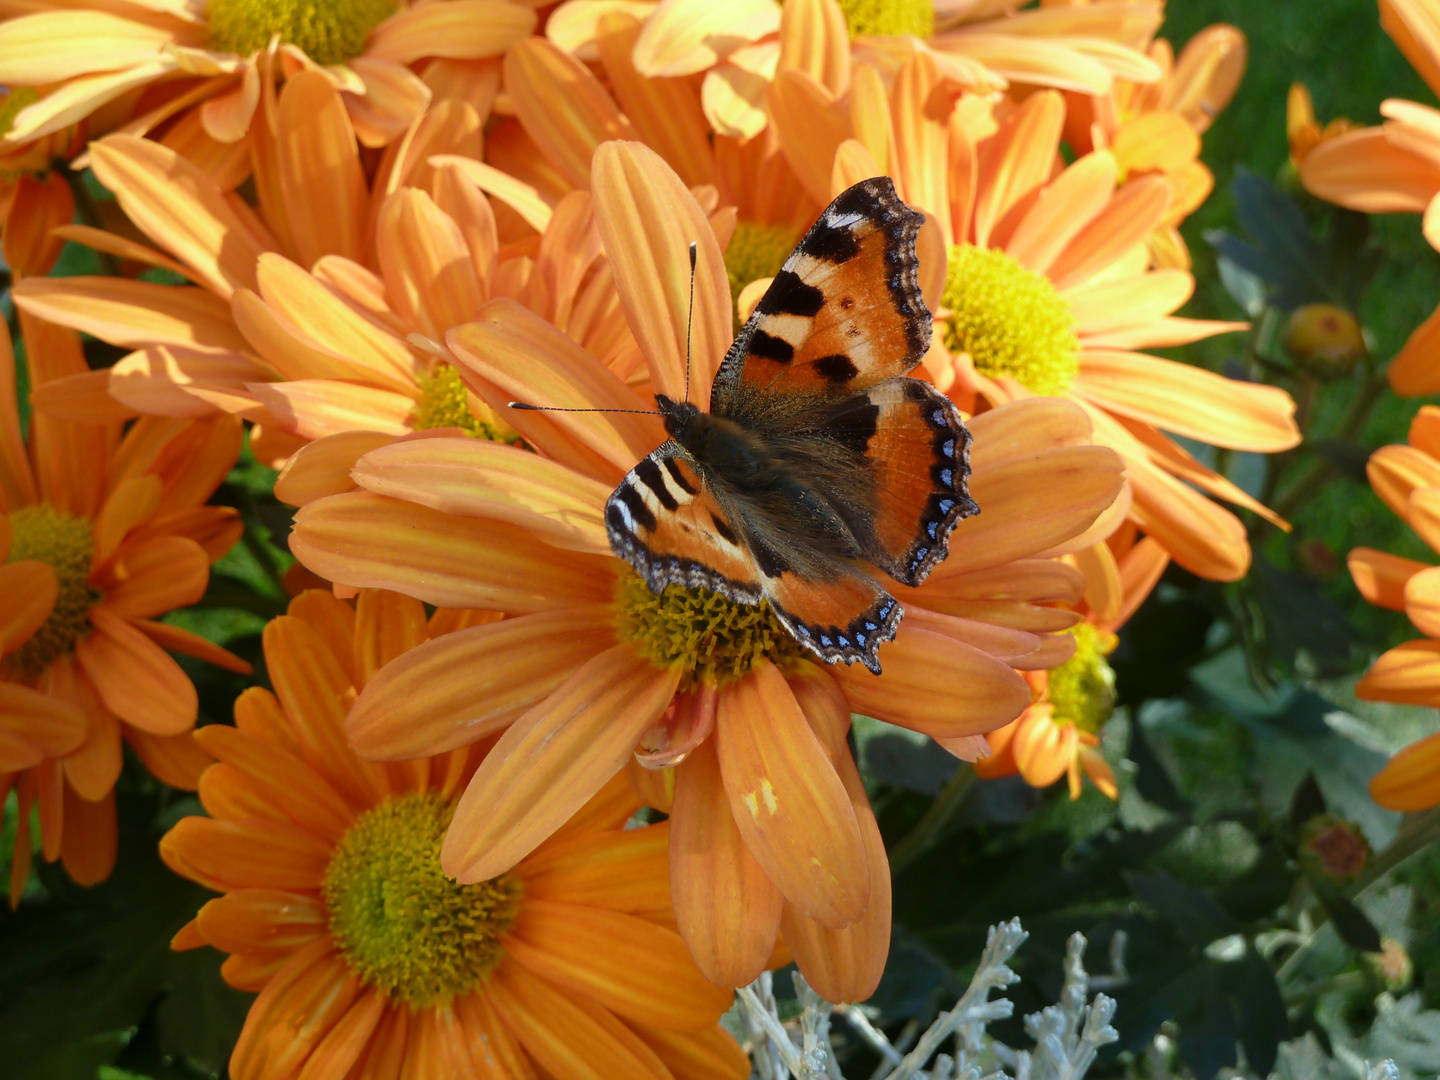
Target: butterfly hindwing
x,y
844,312
668,524
842,618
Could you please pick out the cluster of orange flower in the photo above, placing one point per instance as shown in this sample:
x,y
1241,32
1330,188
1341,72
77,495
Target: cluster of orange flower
x,y
351,231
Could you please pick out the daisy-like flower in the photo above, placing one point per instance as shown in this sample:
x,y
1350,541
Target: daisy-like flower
x,y
805,46
770,827
1058,735
1046,288
207,63
1407,479
1393,169
368,959
1155,128
100,535
298,318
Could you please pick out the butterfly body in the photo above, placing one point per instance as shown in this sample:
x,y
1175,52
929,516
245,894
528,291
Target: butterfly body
x,y
819,462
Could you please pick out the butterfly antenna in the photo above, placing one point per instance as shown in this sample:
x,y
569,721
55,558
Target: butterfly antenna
x,y
690,320
561,408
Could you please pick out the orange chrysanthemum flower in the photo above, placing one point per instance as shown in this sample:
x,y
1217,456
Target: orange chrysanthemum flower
x,y
750,48
368,959
100,535
1394,169
202,68
1155,128
1040,278
300,320
1058,735
1407,479
770,825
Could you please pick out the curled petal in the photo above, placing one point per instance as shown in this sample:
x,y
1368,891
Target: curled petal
x,y
1409,674
1410,781
1381,577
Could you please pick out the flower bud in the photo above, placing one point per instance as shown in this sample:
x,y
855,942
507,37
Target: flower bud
x,y
1334,848
1325,340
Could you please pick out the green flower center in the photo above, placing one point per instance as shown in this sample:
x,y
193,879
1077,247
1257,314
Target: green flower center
x,y
327,31
13,102
710,638
1082,689
889,18
404,926
1010,320
64,543
755,252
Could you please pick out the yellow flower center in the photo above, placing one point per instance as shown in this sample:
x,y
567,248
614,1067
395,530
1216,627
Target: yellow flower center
x,y
710,638
755,252
889,18
64,543
402,925
442,403
327,31
1010,320
13,102
1082,689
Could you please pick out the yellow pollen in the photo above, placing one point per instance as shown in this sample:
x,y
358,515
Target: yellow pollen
x,y
711,639
13,102
755,252
889,18
403,926
1082,690
1010,320
443,404
63,542
327,31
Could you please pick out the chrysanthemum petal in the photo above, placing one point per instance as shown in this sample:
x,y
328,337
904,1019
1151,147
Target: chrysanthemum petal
x,y
810,128
369,541
477,478
682,37
1064,206
297,792
1410,781
229,855
471,683
1365,171
253,920
1136,209
322,467
132,314
648,219
49,725
1025,427
317,408
305,999
1413,371
629,965
727,909
1190,400
712,1054
429,276
622,870
1396,471
1381,577
176,760
317,152
1033,502
1408,673
91,840
552,759
94,40
460,30
913,690
335,1054
181,209
568,1036
162,574
136,679
846,964
787,801
1100,306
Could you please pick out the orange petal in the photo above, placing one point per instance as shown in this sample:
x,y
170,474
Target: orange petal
x,y
417,706
254,920
30,588
1412,373
136,679
1043,749
133,314
369,541
1408,673
702,1055
342,1046
160,575
1024,427
648,219
1410,781
788,803
315,408
917,687
36,725
477,478
920,108
1422,600
1017,160
1381,577
551,760
323,467
1190,401
568,1036
39,205
682,37
460,30
230,855
1365,171
1130,216
91,839
296,791
1396,471
176,760
181,209
846,965
810,127
297,1009
176,639
687,723
429,275
1064,206
629,965
727,909
622,870
317,152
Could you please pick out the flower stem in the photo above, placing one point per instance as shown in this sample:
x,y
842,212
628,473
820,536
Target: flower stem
x,y
928,829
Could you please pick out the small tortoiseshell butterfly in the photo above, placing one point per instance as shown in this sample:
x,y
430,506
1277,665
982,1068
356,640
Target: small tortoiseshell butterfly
x,y
819,461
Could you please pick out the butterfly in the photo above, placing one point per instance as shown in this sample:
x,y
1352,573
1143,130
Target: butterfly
x,y
820,463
